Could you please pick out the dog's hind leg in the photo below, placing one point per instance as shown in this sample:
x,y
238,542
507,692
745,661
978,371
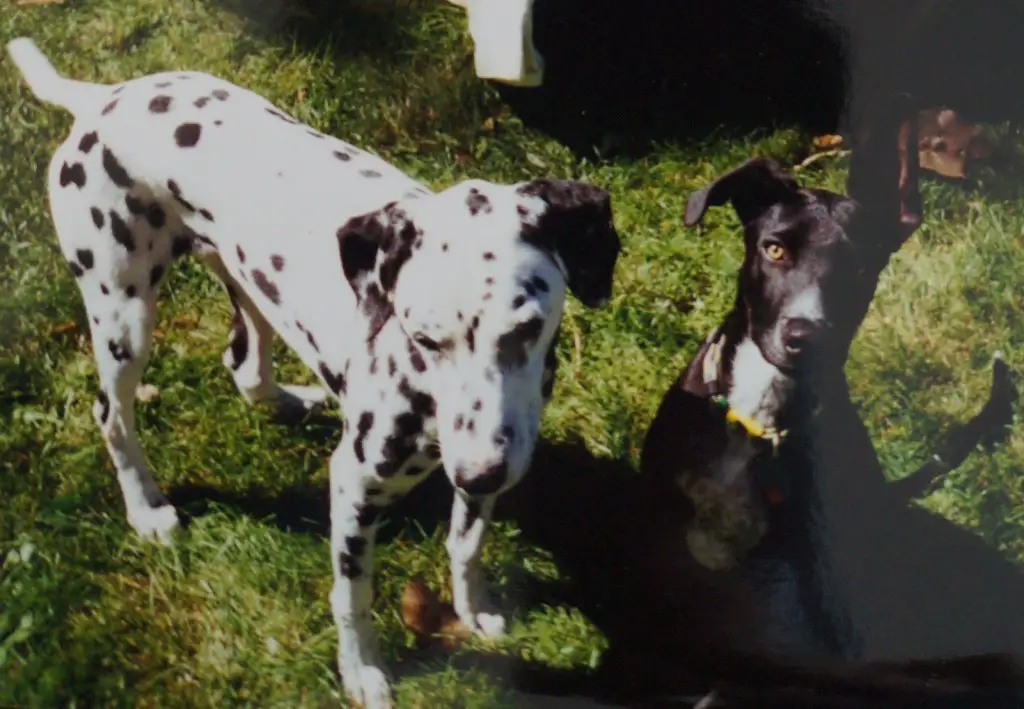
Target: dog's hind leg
x,y
121,325
249,353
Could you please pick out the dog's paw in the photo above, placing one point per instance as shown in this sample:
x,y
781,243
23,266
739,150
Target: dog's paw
x,y
490,625
155,523
367,686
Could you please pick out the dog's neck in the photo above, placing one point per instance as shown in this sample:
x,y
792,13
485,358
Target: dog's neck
x,y
732,365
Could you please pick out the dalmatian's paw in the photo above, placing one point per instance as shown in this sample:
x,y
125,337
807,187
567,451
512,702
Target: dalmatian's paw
x,y
155,523
489,625
367,685
307,398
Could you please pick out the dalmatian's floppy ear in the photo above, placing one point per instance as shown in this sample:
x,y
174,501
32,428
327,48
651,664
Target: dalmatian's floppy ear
x,y
577,227
752,188
373,249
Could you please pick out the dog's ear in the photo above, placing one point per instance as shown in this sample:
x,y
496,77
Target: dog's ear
x,y
884,167
577,228
751,188
373,249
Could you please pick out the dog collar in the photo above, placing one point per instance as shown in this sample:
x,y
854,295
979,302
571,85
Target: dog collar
x,y
711,369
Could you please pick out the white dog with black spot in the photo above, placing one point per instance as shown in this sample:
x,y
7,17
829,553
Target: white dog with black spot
x,y
432,317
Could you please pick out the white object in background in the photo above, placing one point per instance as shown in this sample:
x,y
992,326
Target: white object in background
x,y
502,32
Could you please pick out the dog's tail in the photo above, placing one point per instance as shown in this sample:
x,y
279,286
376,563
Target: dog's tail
x,y
46,83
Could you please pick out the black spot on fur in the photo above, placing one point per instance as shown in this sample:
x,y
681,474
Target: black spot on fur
x,y
134,204
312,342
373,365
518,301
367,515
160,104
415,358
238,340
156,274
362,428
72,174
540,284
336,382
130,291
122,233
104,401
478,202
277,261
201,101
95,320
369,173
176,193
156,216
488,256
103,289
88,141
181,245
349,567
318,136
444,246
392,366
220,94
187,135
355,545
115,170
459,422
489,281
205,214
75,269
477,405
109,107
344,157
512,345
471,426
97,217
162,84
471,333
277,114
420,402
241,254
218,122
266,286
118,351
85,258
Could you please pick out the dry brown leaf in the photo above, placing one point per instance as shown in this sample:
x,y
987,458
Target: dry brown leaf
x,y
825,142
430,619
65,328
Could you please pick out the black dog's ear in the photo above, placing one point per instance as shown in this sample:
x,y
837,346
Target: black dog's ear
x,y
884,167
752,187
373,249
577,226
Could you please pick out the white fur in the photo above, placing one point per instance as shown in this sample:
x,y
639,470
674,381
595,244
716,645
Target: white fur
x,y
258,188
759,388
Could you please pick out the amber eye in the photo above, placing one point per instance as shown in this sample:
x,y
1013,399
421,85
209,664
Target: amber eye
x,y
775,251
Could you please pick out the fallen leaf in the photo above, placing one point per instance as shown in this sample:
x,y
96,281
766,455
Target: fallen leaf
x,y
65,328
823,142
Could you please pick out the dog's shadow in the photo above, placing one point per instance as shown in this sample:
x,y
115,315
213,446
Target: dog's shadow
x,y
595,517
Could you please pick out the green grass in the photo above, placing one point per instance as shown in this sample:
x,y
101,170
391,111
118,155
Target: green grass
x,y
237,613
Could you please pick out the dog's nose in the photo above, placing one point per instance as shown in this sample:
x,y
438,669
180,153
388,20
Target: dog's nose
x,y
800,334
487,482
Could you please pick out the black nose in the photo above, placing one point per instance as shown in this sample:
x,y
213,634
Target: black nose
x,y
487,482
800,334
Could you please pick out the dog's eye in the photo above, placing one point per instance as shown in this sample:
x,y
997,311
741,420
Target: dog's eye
x,y
775,251
425,342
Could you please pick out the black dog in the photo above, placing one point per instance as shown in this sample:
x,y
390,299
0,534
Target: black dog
x,y
793,495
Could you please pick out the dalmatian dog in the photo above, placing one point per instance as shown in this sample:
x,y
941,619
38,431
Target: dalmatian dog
x,y
431,317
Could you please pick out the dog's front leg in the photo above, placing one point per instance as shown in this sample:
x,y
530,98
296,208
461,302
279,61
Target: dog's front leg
x,y
353,528
470,519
